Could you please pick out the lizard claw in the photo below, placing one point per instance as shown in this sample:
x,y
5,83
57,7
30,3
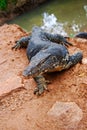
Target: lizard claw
x,y
40,89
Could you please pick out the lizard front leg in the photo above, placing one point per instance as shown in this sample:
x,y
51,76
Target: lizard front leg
x,y
41,85
57,38
22,43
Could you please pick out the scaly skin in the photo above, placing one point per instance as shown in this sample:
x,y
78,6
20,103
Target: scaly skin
x,y
46,53
81,35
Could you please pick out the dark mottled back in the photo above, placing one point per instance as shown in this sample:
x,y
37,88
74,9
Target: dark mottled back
x,y
37,42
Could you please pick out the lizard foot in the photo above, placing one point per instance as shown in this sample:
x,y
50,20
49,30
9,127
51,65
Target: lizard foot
x,y
41,85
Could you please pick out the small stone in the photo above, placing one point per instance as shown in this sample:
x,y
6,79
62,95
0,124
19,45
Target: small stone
x,y
84,61
13,109
66,114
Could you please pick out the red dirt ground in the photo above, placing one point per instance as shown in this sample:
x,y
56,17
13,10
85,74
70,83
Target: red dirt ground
x,y
19,108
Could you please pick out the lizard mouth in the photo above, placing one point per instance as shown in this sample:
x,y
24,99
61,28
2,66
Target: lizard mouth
x,y
26,73
30,72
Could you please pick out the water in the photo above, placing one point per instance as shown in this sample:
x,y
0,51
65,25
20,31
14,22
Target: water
x,y
69,15
51,24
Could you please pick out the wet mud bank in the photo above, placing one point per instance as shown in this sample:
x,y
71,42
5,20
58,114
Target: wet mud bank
x,y
17,9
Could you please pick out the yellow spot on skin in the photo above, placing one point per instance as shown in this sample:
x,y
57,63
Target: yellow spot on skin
x,y
58,68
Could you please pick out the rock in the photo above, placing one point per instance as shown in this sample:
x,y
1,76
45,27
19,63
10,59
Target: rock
x,y
9,68
84,61
67,115
10,84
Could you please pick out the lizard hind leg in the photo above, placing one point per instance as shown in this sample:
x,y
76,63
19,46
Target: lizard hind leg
x,y
74,59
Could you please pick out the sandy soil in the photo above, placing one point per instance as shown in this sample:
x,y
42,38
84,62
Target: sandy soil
x,y
20,109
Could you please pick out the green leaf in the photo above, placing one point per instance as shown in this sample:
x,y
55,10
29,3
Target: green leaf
x,y
3,4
